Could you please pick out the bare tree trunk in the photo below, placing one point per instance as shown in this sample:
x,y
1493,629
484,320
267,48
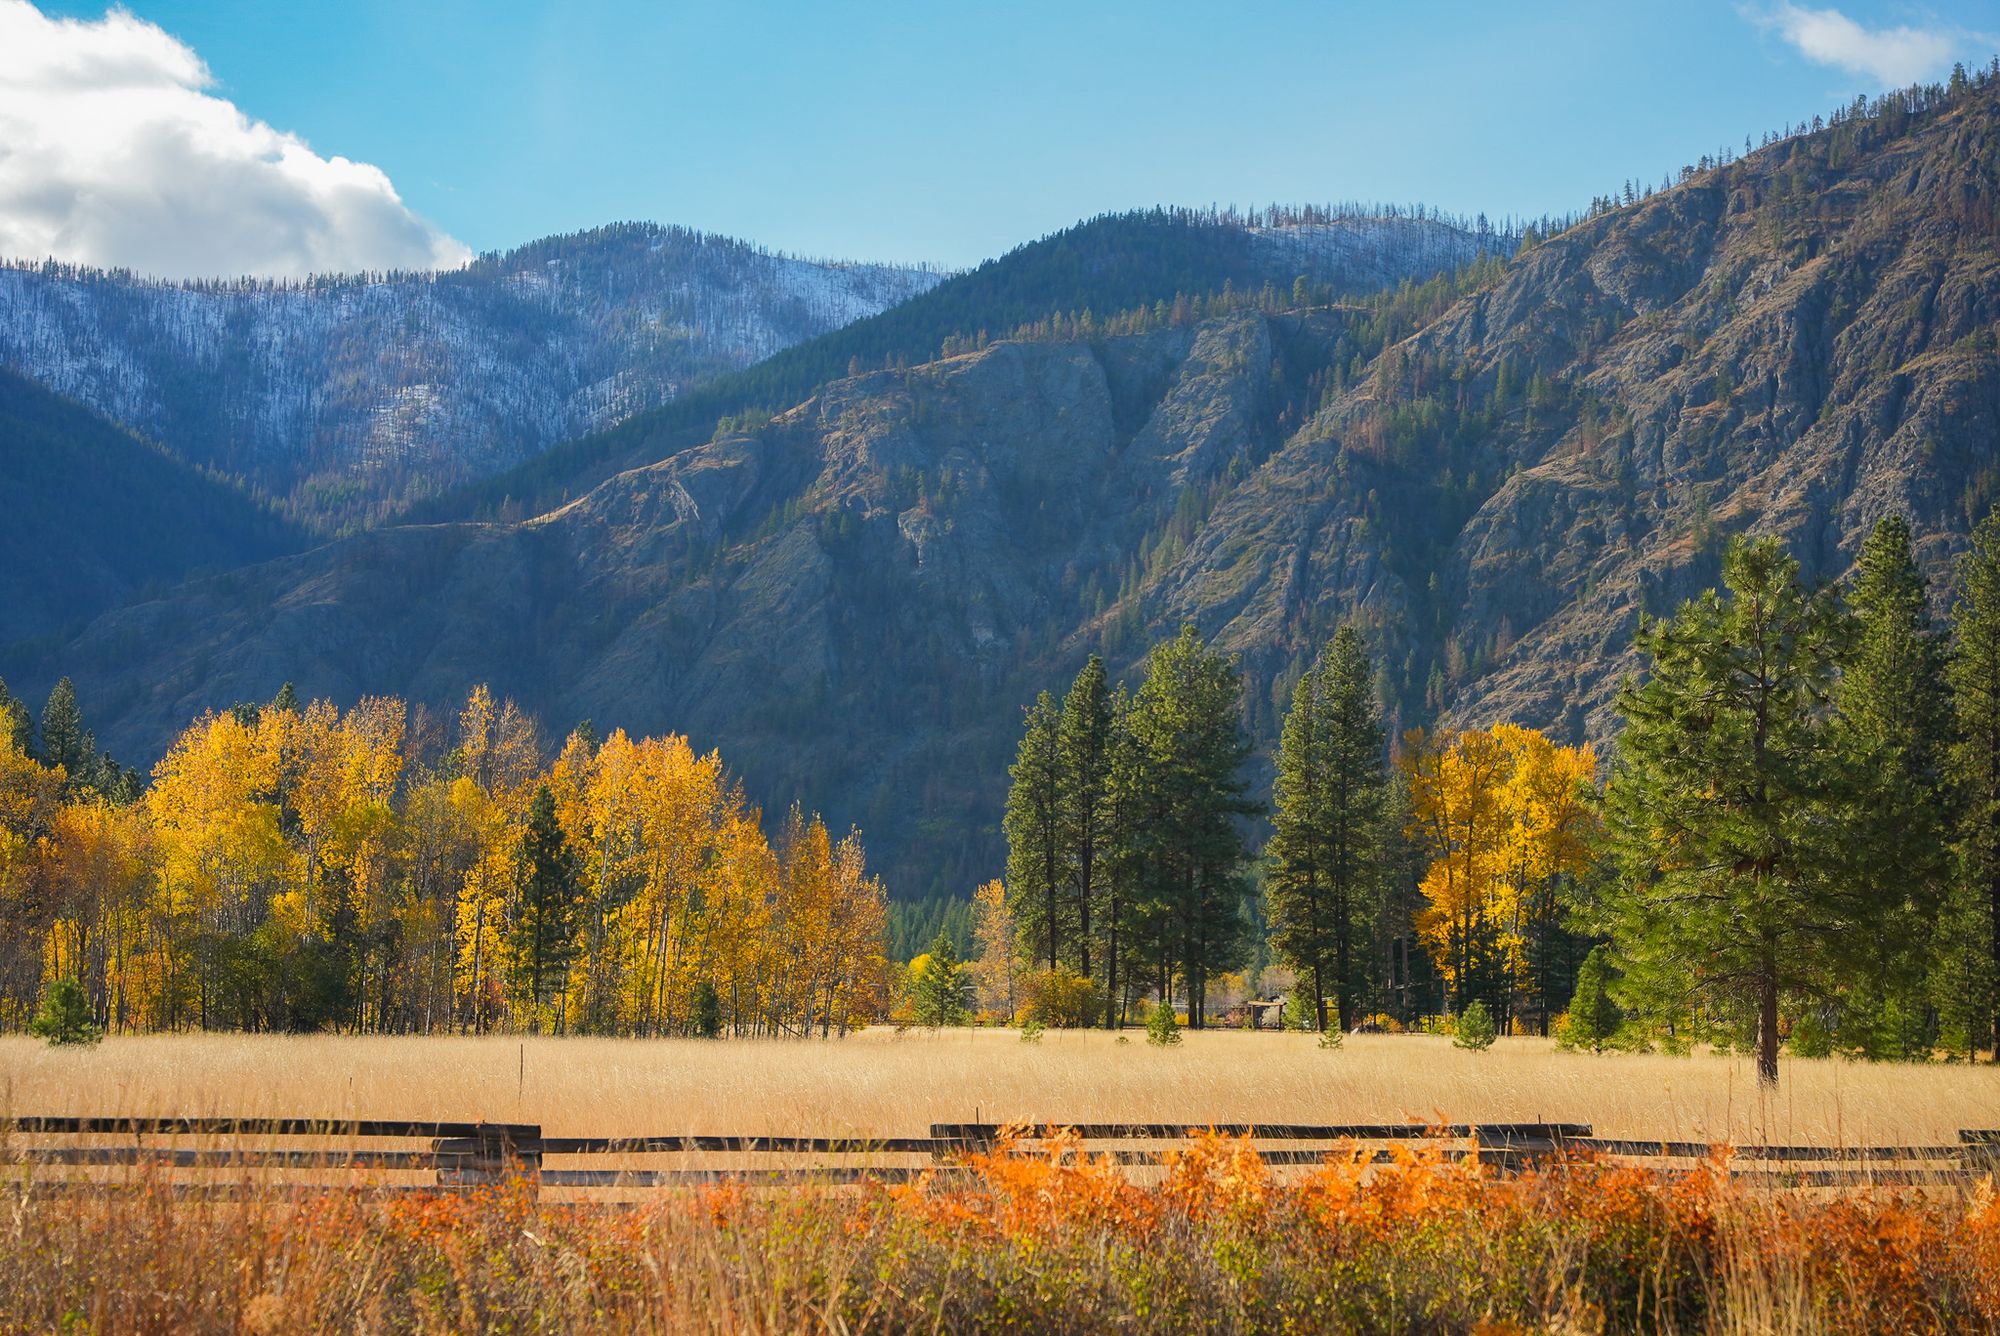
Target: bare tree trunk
x,y
1767,1022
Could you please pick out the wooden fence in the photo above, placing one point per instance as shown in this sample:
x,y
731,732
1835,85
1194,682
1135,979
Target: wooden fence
x,y
233,1155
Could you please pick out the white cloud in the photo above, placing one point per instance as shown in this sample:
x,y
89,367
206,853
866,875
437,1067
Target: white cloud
x,y
113,152
1892,57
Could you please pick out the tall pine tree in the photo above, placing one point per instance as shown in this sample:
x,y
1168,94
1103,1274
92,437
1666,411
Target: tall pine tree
x,y
1123,863
1971,978
1727,803
1083,745
64,743
1187,731
1329,799
1036,872
1895,722
545,916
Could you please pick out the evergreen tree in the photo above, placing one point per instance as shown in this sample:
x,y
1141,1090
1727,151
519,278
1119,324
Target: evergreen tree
x,y
1970,981
287,700
1083,747
1329,800
1895,714
546,910
1593,1016
1124,807
707,1018
1474,1030
1187,731
939,986
1163,1028
1729,802
1036,873
64,1017
64,743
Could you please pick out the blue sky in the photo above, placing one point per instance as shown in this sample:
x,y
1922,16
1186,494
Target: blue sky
x,y
949,133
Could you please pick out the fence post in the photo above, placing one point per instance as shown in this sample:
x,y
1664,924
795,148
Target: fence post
x,y
495,1153
1510,1149
971,1138
1981,1150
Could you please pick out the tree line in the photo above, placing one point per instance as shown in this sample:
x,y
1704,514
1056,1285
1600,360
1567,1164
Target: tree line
x,y
1129,876
1795,843
292,866
1796,840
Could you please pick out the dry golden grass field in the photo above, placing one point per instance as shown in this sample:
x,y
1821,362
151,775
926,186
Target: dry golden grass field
x,y
883,1083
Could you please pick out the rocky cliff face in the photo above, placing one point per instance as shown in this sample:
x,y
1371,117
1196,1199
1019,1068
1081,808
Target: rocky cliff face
x,y
346,396
853,600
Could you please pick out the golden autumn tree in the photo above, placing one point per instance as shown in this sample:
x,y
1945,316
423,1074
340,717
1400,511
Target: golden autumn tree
x,y
1552,822
682,803
293,866
1455,784
498,764
743,956
30,801
831,919
338,776
100,879
996,972
1505,814
438,842
221,857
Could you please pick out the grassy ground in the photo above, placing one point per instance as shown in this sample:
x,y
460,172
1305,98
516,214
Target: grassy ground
x,y
880,1082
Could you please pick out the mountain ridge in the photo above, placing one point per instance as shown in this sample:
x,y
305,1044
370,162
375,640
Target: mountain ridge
x,y
343,397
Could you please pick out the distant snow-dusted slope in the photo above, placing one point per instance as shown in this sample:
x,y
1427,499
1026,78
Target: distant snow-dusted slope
x,y
1380,251
343,397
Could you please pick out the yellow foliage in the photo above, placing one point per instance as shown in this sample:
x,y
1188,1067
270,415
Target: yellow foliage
x,y
285,827
1505,813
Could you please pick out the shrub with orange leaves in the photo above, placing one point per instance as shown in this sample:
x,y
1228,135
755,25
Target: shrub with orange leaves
x,y
1030,1186
1215,1175
1032,1234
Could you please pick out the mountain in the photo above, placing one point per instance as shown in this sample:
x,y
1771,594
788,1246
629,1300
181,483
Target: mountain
x,y
347,396
94,516
1153,259
1494,474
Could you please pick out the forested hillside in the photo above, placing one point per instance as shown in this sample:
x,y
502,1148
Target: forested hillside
x,y
1492,474
1156,262
91,516
346,396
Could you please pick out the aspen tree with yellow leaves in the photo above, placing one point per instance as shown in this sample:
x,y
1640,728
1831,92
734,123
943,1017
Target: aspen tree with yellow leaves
x,y
1506,816
297,866
997,971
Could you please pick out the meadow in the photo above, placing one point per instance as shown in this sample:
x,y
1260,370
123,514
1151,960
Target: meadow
x,y
881,1082
1022,1241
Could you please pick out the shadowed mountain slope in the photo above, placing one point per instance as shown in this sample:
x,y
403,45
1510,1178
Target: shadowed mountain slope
x,y
90,516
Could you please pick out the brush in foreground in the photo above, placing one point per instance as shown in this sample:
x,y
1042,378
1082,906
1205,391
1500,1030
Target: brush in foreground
x,y
1030,1241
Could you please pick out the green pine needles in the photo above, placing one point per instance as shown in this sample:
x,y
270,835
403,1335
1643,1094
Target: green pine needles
x,y
1593,1017
939,986
1474,1030
1323,851
64,1017
1779,810
1126,861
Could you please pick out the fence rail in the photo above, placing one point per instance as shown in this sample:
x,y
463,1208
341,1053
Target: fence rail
x,y
235,1155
